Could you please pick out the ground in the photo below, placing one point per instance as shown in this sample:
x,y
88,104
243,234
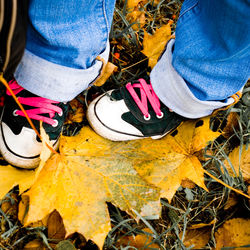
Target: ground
x,y
194,216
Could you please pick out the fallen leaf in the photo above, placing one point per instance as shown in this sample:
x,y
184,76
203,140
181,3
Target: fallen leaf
x,y
11,176
233,233
131,4
65,245
198,238
46,151
55,226
153,45
164,163
107,71
140,241
91,171
78,185
138,17
232,123
9,205
76,111
242,165
202,225
186,183
231,202
172,159
34,245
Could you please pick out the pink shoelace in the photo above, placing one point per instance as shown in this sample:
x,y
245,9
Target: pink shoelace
x,y
43,106
146,92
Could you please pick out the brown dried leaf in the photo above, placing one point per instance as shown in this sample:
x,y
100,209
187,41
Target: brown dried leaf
x,y
140,241
76,112
186,183
107,71
10,208
55,226
202,225
232,123
231,202
233,233
35,245
197,237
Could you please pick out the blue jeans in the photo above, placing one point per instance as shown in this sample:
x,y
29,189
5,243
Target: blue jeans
x,y
199,71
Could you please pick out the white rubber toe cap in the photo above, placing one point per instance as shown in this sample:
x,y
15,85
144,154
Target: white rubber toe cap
x,y
22,150
104,115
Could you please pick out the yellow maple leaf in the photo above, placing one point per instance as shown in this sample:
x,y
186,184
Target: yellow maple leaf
x,y
153,45
233,233
239,162
78,183
11,176
164,163
172,159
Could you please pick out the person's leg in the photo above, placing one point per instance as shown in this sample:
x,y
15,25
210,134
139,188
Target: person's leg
x,y
63,40
210,60
211,52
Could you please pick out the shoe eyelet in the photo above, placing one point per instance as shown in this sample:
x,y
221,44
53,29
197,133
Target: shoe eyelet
x,y
160,116
14,112
147,118
55,124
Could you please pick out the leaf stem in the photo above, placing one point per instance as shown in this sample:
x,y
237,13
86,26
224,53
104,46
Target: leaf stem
x,y
226,185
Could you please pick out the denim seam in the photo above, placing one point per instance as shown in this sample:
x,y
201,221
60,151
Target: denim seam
x,y
106,21
188,10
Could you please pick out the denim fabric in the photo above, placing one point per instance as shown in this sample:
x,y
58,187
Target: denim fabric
x,y
212,47
210,61
63,40
69,33
211,57
173,91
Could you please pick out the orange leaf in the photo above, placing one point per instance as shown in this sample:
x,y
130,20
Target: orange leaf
x,y
78,186
197,237
239,162
233,233
106,72
153,45
140,241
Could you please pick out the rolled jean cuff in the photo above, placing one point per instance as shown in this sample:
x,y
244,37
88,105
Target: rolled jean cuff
x,y
54,81
173,91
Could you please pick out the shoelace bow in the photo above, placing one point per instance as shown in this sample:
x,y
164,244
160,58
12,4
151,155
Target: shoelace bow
x,y
43,106
146,92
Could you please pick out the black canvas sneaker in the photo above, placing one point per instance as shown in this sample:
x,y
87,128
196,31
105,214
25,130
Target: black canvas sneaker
x,y
132,112
19,144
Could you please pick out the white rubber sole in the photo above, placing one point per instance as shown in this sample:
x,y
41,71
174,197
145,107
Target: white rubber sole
x,y
109,133
15,160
